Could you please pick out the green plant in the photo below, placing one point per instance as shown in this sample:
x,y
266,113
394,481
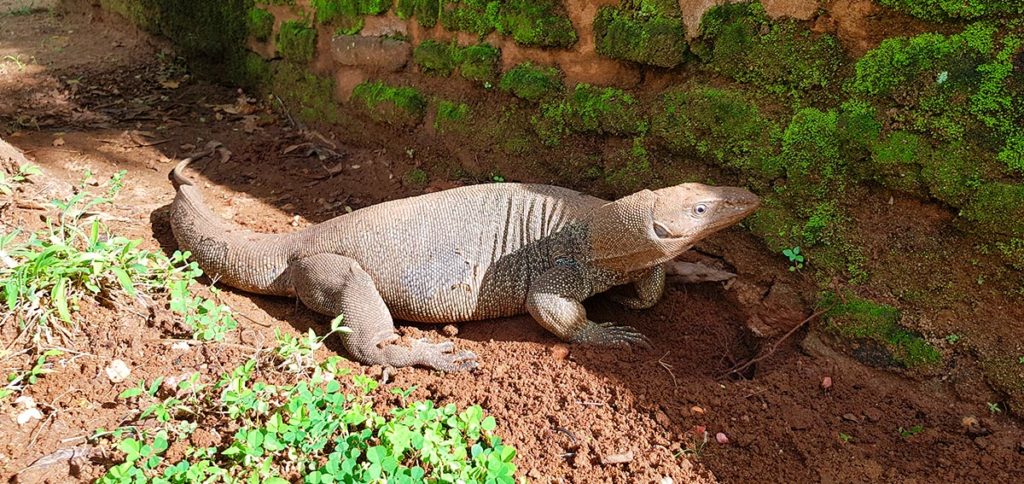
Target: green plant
x,y
19,380
402,106
7,182
436,58
532,83
312,95
479,62
295,354
796,259
425,11
314,429
536,23
910,432
260,23
952,338
944,10
296,41
475,62
994,408
47,273
845,438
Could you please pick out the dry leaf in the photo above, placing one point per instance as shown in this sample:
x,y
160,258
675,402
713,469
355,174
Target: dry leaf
x,y
170,84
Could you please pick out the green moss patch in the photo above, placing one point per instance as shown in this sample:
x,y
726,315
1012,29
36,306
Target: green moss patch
x,y
451,116
397,106
720,124
998,208
296,41
533,83
475,62
942,10
811,158
739,41
538,23
853,317
260,24
896,161
310,96
642,31
589,109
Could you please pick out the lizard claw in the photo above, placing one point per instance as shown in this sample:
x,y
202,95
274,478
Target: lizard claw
x,y
440,356
611,334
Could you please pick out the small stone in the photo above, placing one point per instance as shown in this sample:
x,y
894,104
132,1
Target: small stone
x,y
180,346
826,383
621,458
662,419
969,421
721,438
851,417
666,480
450,330
559,351
375,52
696,410
118,371
29,414
25,401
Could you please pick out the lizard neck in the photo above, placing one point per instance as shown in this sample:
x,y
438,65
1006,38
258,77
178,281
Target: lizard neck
x,y
622,236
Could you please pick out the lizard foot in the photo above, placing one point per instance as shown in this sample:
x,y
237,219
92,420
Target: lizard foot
x,y
441,356
610,334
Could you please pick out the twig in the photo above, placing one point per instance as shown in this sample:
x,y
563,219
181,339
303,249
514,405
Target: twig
x,y
668,368
771,350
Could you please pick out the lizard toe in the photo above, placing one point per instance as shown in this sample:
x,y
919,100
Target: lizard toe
x,y
612,334
441,356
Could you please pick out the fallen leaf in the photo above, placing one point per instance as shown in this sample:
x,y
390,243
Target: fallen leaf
x,y
170,84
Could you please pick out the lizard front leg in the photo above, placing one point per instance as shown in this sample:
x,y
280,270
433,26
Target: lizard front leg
x,y
649,288
333,284
554,300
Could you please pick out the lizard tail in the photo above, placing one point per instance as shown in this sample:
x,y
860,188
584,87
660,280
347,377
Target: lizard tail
x,y
177,176
240,258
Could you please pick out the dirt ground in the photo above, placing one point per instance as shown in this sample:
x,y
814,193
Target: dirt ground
x,y
87,92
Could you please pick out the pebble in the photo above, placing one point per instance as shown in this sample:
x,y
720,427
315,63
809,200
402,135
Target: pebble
x,y
721,438
29,414
873,414
559,351
180,346
696,410
118,371
826,383
620,458
666,480
851,417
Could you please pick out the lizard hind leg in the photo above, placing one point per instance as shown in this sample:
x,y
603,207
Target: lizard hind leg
x,y
333,284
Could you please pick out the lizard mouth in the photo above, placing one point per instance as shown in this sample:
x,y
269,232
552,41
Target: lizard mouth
x,y
662,232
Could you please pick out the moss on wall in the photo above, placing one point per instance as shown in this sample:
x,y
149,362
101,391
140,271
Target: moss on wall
x,y
397,106
857,318
296,42
475,62
642,31
532,83
741,42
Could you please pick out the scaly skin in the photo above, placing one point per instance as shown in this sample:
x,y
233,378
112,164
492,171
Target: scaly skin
x,y
464,254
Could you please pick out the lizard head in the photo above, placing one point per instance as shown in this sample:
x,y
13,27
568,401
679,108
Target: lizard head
x,y
691,211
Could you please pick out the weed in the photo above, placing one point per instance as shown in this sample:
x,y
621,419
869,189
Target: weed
x,y
296,41
313,428
8,182
16,59
400,106
845,438
952,338
994,408
19,380
532,83
796,259
497,178
47,275
295,354
910,432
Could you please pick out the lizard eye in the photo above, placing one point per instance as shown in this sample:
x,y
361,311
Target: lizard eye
x,y
700,209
